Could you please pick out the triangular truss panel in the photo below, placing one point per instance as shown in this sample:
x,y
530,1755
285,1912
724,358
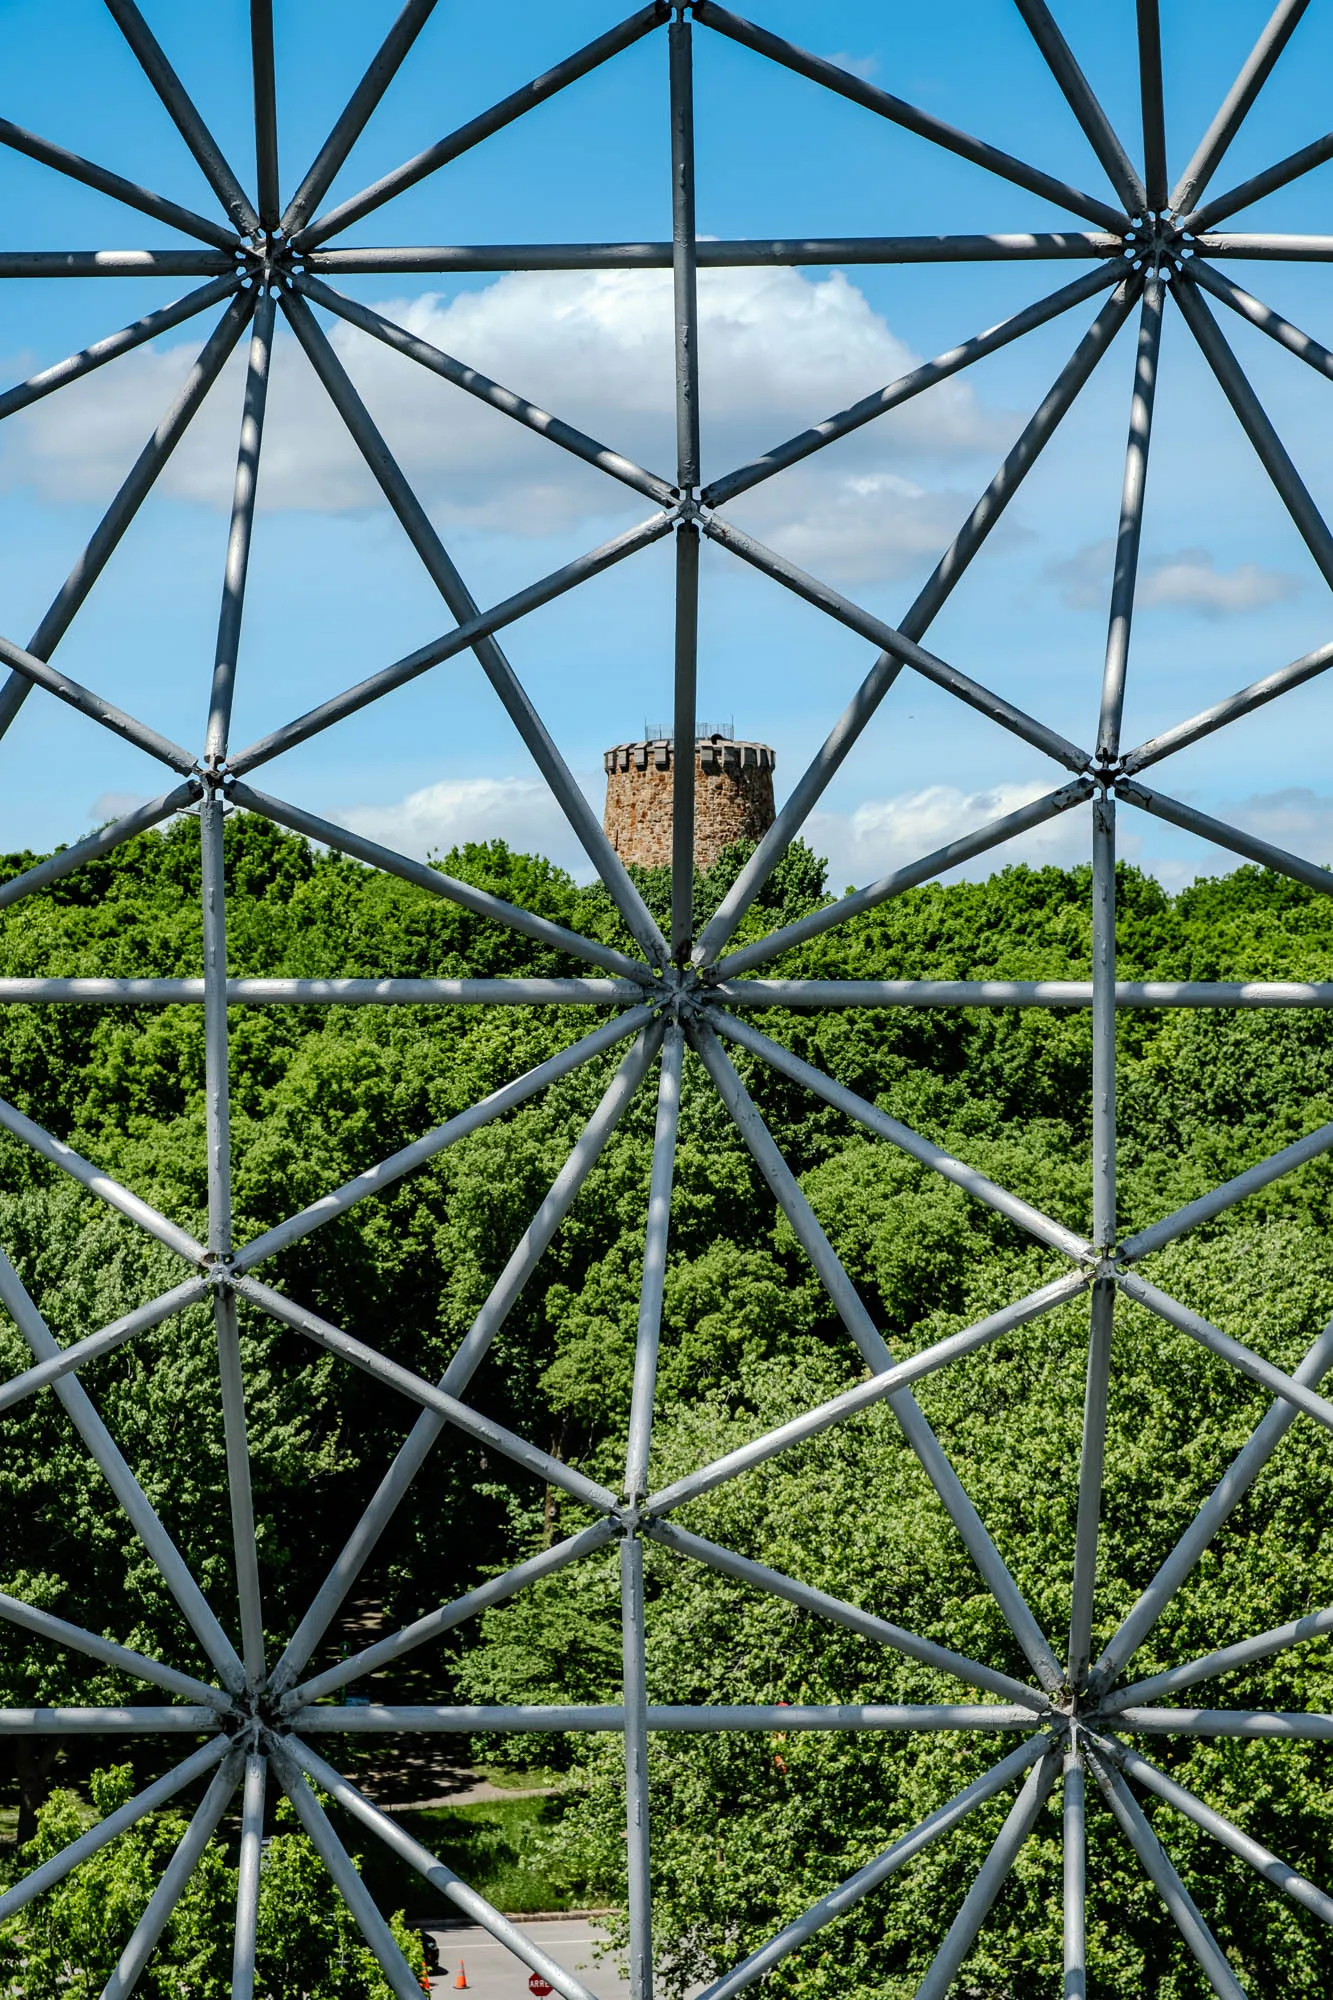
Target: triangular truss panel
x,y
253,259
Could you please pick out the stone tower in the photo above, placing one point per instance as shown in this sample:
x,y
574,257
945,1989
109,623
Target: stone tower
x,y
733,796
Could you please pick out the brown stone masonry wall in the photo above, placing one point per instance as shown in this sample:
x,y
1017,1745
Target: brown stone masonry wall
x,y
733,798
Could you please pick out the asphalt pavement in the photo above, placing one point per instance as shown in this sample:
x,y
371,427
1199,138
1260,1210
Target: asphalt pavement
x,y
493,1973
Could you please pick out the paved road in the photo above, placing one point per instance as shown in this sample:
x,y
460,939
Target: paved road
x,y
495,1974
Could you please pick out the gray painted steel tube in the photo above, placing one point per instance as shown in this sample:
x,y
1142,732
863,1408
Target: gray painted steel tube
x,y
1126,573
1223,835
1269,245
482,1429
685,678
458,641
1303,161
993,834
486,391
892,397
803,993
874,1351
1249,698
497,1590
1132,1823
136,1721
347,1881
435,882
858,1886
266,112
825,598
588,58
116,264
61,1633
439,567
952,1348
1079,96
1297,1726
1243,303
634,1724
112,345
608,1718
1241,1357
115,185
28,670
188,123
1230,1490
352,120
105,1341
242,526
198,1614
991,1878
742,1569
1074,1875
1103,1024
1150,98
378,1177
820,69
656,1238
523,1260
930,1155
143,1941
29,1887
111,1192
1225,1832
68,860
247,1877
712,254
683,253
1218,1199
1315,1625
1226,123
1271,452
441,1878
331,992
1091,1470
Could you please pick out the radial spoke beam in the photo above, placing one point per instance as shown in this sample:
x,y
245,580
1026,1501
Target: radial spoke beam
x,y
111,1464
29,1887
847,1303
242,526
656,1238
525,1257
183,114
1297,1632
858,1886
58,1154
1296,164
439,567
405,1161
638,1847
143,1943
1253,75
1150,97
591,57
1302,345
1224,1831
266,111
1296,1726
712,254
1219,1199
1230,1490
68,860
1126,574
1130,1819
249,1862
1222,834
1307,668
1268,446
45,1625
112,345
819,69
1091,1474
115,185
1074,1873
991,1878
1078,94
356,114
840,993
608,1718
1219,1343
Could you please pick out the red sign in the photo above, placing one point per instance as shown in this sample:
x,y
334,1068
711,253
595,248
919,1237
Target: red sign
x,y
539,1986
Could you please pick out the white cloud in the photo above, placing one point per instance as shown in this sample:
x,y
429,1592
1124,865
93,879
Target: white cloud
x,y
1191,581
862,66
114,805
1298,819
882,835
1186,581
520,811
779,351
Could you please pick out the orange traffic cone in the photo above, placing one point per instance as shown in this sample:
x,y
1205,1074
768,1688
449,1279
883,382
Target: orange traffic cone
x,y
461,1982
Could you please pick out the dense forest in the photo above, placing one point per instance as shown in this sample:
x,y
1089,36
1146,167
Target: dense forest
x,y
747,1831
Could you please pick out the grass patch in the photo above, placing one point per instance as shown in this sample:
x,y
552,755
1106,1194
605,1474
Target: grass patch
x,y
500,1848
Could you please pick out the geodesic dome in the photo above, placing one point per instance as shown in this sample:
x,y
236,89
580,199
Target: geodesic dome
x,y
1146,249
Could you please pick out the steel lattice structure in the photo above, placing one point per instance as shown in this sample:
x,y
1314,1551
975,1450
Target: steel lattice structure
x,y
1152,244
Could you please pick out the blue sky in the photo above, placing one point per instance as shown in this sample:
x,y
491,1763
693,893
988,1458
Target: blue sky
x,y
1229,590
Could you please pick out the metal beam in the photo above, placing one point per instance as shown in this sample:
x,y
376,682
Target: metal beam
x,y
266,111
1083,1594
634,1724
1126,574
117,264
115,185
1248,699
1097,128
1253,75
249,1862
819,69
1150,97
1222,834
81,1352
656,1236
710,1718
1302,345
1315,1625
584,60
712,254
1284,171
58,1154
991,1878
1053,993
1074,1873
1297,1726
237,564
1241,1357
183,114
1218,1199
45,1625
143,1942
68,860
1270,246
355,115
113,345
